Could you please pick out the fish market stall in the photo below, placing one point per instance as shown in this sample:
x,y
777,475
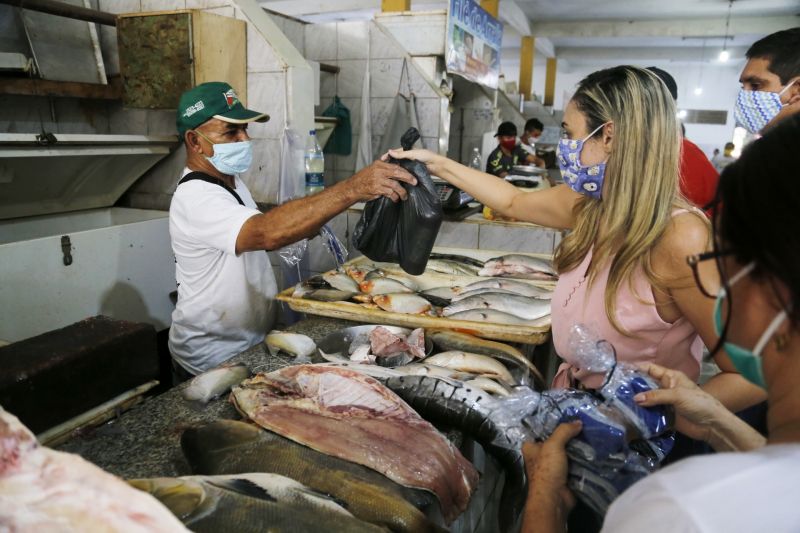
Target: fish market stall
x,y
146,441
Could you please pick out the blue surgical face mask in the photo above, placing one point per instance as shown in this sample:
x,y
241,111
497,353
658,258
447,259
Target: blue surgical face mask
x,y
584,180
755,109
747,362
231,158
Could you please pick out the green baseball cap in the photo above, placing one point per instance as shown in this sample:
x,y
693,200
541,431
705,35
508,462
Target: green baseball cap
x,y
215,99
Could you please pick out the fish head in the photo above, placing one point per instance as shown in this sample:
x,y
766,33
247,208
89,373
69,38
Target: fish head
x,y
183,497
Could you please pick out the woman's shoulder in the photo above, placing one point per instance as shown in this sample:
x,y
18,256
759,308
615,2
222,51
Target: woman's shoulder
x,y
687,233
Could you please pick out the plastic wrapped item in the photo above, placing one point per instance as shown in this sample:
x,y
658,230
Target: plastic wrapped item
x,y
620,442
402,232
337,249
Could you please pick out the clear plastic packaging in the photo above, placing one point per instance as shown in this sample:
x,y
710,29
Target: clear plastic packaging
x,y
620,442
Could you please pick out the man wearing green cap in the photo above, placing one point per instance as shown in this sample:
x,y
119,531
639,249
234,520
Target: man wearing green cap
x,y
226,287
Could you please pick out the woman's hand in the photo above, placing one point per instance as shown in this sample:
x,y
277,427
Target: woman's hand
x,y
431,159
696,410
549,499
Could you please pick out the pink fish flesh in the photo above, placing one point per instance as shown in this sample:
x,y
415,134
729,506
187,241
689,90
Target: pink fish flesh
x,y
352,416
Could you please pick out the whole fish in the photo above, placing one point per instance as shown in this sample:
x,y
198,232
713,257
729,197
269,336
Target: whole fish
x,y
454,404
527,261
292,343
403,278
232,447
422,369
458,259
403,303
543,295
454,340
250,502
352,416
488,385
382,285
490,315
214,383
473,363
339,280
520,306
321,295
444,293
358,273
518,287
452,268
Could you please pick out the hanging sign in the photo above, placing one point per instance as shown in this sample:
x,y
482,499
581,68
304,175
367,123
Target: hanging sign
x,y
472,48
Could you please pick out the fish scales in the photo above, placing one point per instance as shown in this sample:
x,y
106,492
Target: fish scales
x,y
522,307
352,416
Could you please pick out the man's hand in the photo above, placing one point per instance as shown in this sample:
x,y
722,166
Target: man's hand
x,y
380,179
546,464
697,411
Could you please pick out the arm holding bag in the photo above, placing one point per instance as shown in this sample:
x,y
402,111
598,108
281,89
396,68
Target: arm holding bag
x,y
402,232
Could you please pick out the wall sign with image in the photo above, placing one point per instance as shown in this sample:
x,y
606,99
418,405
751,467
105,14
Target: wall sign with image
x,y
473,43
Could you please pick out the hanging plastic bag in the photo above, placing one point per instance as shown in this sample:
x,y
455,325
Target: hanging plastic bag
x,y
292,178
403,115
341,140
402,232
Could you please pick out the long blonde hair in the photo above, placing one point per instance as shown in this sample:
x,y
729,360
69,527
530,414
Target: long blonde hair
x,y
641,183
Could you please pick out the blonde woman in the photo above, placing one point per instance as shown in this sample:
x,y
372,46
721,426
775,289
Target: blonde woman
x,y
622,267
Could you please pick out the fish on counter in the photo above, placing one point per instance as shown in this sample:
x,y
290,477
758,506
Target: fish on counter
x,y
443,293
349,415
458,259
490,315
519,266
454,340
454,404
232,447
406,279
358,272
422,369
46,490
250,502
382,285
510,285
340,280
473,363
363,354
488,385
321,294
215,382
410,304
296,344
523,307
452,268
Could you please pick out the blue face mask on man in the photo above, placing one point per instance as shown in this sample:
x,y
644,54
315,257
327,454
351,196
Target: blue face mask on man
x,y
747,362
230,158
755,109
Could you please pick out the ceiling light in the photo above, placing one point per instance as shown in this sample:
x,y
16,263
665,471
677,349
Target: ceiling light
x,y
698,91
682,113
724,56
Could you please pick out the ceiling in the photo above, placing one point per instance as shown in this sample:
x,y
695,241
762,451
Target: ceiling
x,y
588,32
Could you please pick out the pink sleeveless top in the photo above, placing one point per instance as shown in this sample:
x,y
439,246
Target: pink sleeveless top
x,y
675,345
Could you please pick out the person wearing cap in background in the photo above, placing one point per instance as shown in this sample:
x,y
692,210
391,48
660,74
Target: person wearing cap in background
x,y
770,82
699,178
226,286
508,153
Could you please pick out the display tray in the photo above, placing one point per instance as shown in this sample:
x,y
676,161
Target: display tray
x,y
536,333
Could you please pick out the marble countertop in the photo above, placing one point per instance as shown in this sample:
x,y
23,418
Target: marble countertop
x,y
145,441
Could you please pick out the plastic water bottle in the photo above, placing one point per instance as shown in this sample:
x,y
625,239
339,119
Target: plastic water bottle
x,y
315,165
476,161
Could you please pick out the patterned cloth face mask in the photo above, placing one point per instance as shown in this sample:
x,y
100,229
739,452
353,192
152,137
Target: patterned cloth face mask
x,y
584,180
755,109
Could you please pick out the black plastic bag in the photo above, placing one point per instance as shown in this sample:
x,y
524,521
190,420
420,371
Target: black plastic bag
x,y
402,232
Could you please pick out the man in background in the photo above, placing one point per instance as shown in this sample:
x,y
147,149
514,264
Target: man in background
x,y
508,153
722,161
529,138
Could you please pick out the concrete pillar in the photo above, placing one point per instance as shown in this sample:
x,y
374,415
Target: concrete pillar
x,y
526,67
395,5
491,6
550,81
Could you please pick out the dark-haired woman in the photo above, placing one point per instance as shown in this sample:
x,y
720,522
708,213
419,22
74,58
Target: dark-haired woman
x,y
757,315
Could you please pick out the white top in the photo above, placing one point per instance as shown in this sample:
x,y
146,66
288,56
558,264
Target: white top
x,y
225,302
530,148
724,492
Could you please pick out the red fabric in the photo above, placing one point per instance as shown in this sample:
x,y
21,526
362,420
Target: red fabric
x,y
699,178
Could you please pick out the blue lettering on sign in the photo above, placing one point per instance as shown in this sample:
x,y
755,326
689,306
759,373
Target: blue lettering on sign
x,y
476,19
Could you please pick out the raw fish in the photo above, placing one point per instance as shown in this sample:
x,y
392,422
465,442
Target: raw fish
x,y
296,344
521,306
473,363
403,303
339,280
215,382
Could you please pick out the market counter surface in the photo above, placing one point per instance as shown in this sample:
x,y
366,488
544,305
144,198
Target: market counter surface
x,y
145,441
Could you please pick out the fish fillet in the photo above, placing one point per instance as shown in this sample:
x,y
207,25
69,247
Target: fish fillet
x,y
352,416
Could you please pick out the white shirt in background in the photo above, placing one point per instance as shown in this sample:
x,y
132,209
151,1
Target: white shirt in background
x,y
725,492
225,302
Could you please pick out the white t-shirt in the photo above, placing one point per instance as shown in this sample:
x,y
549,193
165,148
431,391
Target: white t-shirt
x,y
225,302
724,492
531,149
